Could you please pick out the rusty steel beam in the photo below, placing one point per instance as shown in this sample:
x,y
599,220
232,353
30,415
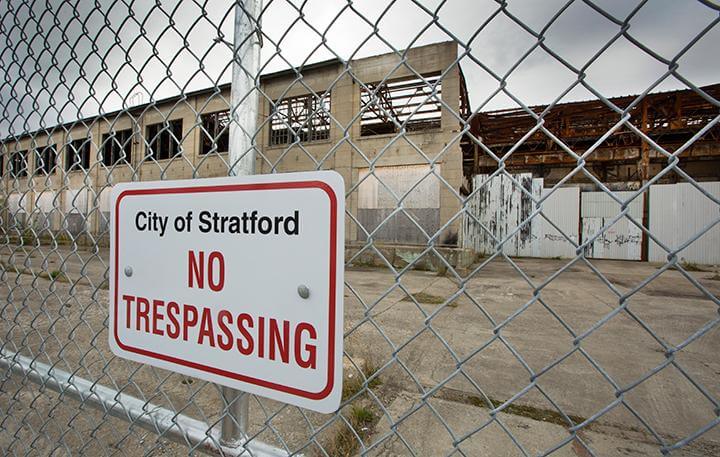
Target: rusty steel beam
x,y
669,118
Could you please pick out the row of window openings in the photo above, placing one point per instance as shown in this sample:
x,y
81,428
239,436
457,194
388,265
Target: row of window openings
x,y
116,149
411,103
163,143
303,118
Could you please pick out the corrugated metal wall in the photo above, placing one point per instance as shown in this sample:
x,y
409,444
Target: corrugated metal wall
x,y
678,212
562,208
497,209
619,240
500,207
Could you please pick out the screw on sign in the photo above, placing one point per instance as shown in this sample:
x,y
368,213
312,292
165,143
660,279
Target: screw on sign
x,y
218,295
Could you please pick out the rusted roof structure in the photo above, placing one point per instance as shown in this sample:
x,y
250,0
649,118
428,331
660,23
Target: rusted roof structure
x,y
669,119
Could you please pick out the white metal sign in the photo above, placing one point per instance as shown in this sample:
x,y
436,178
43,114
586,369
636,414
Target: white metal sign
x,y
237,280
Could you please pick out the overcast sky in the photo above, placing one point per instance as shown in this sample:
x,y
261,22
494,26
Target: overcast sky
x,y
62,62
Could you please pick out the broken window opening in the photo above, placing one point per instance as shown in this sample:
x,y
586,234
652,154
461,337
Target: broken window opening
x,y
117,147
390,105
78,155
45,160
18,164
164,139
303,118
215,134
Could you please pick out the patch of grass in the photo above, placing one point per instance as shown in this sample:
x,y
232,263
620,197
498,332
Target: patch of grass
x,y
362,420
531,412
353,385
689,266
429,299
715,277
408,257
55,273
361,416
344,443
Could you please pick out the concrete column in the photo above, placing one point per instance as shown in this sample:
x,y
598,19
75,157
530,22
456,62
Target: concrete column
x,y
344,105
451,166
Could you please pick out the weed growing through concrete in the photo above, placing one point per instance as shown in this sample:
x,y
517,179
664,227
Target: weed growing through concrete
x,y
55,274
361,416
354,384
361,420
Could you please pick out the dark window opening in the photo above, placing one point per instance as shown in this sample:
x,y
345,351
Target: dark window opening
x,y
164,139
215,134
45,160
406,101
117,147
302,118
77,155
18,164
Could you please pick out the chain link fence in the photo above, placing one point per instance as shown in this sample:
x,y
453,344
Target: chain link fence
x,y
465,133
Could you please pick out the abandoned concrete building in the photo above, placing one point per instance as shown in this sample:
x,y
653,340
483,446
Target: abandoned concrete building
x,y
57,180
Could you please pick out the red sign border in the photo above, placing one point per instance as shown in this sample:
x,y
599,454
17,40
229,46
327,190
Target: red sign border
x,y
325,392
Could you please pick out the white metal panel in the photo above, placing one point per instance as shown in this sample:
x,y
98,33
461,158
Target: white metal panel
x,y
43,217
104,199
562,207
620,240
367,190
45,201
75,200
372,194
528,240
600,204
17,203
678,212
500,206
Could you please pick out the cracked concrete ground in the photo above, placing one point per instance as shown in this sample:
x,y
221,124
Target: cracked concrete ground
x,y
443,347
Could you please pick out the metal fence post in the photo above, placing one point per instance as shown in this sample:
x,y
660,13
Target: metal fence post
x,y
244,111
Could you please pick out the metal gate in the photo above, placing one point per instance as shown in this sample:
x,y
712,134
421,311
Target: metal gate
x,y
446,351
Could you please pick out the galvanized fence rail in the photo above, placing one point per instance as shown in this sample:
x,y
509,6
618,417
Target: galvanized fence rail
x,y
447,352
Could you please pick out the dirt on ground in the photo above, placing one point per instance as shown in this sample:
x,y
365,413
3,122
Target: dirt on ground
x,y
510,357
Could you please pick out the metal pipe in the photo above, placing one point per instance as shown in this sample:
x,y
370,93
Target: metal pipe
x,y
244,95
244,98
153,418
234,425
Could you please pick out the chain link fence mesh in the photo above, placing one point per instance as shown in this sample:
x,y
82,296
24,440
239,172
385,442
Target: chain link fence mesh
x,y
447,350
